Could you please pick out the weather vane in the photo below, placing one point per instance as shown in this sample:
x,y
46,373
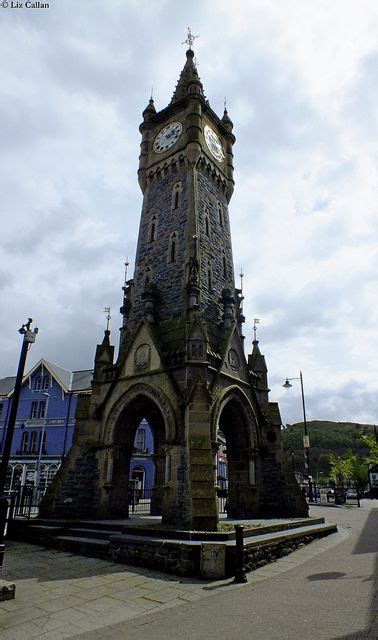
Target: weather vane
x,y
107,310
241,274
256,321
189,38
126,265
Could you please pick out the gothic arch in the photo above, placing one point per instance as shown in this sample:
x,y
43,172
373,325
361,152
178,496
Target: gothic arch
x,y
139,402
239,399
176,195
136,393
235,418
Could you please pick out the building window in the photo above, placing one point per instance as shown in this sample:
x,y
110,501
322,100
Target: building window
x,y
224,266
207,222
38,383
176,195
24,442
46,382
152,229
209,277
138,476
172,250
42,409
220,214
33,442
34,409
140,440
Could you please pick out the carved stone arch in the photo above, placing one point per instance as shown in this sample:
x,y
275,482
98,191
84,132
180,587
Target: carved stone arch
x,y
236,419
236,394
137,390
138,402
152,227
173,247
176,195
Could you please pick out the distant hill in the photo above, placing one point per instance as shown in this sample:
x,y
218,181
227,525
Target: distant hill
x,y
325,438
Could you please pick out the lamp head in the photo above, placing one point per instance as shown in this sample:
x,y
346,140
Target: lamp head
x,y
287,384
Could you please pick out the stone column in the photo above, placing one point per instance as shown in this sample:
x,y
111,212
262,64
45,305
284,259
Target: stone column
x,y
203,512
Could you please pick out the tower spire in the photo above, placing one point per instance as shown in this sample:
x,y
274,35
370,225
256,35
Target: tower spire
x,y
188,81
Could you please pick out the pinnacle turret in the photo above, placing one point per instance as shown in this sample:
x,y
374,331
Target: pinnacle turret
x,y
256,359
227,121
149,111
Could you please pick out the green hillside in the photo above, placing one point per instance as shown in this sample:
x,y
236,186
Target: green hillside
x,y
325,438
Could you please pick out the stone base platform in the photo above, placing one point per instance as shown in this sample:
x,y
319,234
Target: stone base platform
x,y
144,542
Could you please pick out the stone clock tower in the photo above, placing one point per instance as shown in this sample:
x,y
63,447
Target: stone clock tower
x,y
181,362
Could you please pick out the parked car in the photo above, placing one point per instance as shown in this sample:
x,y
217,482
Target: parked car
x,y
351,493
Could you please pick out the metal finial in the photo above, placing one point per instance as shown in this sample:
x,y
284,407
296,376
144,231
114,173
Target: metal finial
x,y
241,274
189,38
256,321
107,311
126,265
152,93
225,103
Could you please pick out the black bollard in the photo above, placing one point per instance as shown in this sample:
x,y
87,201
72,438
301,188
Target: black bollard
x,y
240,574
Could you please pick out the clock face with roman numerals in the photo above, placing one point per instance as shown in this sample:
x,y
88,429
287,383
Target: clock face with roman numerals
x,y
167,137
214,144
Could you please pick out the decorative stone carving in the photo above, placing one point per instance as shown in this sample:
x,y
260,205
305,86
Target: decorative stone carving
x,y
142,356
233,359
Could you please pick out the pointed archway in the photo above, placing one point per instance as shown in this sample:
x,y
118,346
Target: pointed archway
x,y
140,402
236,422
134,412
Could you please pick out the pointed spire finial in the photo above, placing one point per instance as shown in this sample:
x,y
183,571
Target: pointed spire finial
x,y
126,266
189,38
152,93
108,317
256,321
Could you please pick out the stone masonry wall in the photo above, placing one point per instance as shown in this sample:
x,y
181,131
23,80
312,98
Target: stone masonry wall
x,y
213,245
79,496
167,276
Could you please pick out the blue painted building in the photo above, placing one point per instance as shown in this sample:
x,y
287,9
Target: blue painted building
x,y
45,425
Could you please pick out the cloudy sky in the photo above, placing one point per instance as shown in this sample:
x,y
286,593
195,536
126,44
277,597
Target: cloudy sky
x,y
301,82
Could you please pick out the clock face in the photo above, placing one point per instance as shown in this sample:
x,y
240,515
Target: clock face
x,y
167,137
214,144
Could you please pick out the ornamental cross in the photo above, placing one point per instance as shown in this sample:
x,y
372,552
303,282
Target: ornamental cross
x,y
189,38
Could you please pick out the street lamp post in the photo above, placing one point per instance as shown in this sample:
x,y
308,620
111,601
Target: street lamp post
x,y
306,439
28,339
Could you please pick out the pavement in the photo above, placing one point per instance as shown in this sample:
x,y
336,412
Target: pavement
x,y
322,591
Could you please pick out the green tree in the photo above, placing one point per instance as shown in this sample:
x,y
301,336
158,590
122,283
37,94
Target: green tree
x,y
341,468
359,472
372,445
